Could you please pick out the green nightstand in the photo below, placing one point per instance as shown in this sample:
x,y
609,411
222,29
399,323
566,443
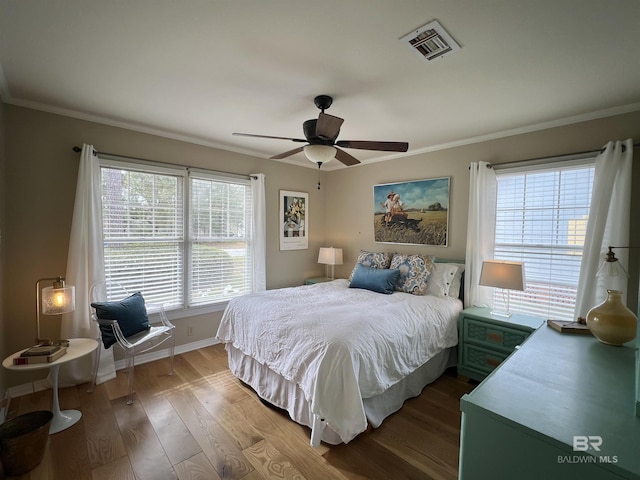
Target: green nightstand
x,y
314,280
486,340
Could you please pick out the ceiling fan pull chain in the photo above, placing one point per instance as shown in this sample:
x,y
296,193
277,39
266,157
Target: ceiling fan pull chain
x,y
319,165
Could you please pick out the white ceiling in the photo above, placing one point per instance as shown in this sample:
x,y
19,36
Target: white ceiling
x,y
200,70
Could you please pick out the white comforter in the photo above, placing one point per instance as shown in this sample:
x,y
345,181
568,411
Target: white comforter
x,y
340,344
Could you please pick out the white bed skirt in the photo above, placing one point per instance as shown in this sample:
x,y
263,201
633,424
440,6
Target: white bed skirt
x,y
276,390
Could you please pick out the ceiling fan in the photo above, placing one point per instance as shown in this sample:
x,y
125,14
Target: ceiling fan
x,y
320,137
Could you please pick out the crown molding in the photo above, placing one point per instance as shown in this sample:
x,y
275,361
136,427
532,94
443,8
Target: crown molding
x,y
608,112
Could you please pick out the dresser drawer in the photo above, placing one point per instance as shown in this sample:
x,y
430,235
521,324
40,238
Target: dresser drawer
x,y
491,335
481,359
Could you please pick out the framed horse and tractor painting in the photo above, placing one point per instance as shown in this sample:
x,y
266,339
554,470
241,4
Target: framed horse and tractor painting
x,y
415,212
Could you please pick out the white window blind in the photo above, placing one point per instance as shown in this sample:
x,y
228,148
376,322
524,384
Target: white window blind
x,y
143,233
541,220
221,244
183,239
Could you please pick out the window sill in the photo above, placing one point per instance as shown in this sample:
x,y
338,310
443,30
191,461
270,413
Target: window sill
x,y
201,310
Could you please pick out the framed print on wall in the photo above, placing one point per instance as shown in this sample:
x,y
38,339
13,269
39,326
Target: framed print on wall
x,y
415,212
294,220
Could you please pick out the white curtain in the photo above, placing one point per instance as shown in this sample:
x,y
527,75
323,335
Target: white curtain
x,y
85,266
608,224
259,233
481,225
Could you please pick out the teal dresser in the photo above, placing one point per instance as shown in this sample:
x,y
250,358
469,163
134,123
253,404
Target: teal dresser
x,y
486,340
560,407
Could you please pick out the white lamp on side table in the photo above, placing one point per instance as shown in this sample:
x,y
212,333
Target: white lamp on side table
x,y
55,300
330,256
505,275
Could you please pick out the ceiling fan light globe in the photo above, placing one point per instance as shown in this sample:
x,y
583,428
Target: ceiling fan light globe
x,y
320,153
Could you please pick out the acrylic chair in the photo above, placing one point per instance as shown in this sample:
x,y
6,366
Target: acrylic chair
x,y
159,332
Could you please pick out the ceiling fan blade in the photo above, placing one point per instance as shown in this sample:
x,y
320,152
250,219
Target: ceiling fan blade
x,y
328,126
286,154
346,158
269,136
371,145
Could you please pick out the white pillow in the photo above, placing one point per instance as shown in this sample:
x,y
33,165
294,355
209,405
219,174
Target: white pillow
x,y
444,280
454,288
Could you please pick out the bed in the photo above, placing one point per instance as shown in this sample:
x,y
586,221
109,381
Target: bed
x,y
339,358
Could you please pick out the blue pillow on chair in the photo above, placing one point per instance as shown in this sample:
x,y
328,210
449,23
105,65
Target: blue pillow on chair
x,y
381,280
130,313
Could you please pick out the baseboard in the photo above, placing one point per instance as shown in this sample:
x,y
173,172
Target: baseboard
x,y
158,354
38,385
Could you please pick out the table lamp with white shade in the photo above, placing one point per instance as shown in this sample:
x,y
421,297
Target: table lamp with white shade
x,y
330,256
505,275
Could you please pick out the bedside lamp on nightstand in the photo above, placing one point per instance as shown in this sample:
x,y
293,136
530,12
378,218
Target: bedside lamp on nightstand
x,y
505,275
330,256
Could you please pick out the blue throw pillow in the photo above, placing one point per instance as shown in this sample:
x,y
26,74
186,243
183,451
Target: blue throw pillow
x,y
130,313
381,280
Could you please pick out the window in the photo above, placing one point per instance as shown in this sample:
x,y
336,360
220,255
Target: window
x,y
541,220
220,242
182,238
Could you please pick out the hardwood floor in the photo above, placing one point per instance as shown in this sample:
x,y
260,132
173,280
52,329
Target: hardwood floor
x,y
202,423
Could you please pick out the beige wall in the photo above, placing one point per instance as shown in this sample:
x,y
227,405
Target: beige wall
x,y
349,200
41,171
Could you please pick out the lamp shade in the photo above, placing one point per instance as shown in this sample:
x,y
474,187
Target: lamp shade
x,y
503,274
56,301
319,153
611,269
53,300
330,256
611,266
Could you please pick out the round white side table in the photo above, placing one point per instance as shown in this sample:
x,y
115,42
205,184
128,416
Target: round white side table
x,y
78,347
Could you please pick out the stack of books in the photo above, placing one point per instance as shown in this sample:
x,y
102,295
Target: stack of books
x,y
40,354
564,326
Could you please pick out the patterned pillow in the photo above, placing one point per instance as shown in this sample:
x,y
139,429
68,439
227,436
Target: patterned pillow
x,y
373,260
414,272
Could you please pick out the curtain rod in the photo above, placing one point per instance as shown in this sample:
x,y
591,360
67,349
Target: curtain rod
x,y
586,152
95,152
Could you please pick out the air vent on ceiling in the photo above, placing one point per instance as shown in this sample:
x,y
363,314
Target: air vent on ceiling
x,y
431,41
